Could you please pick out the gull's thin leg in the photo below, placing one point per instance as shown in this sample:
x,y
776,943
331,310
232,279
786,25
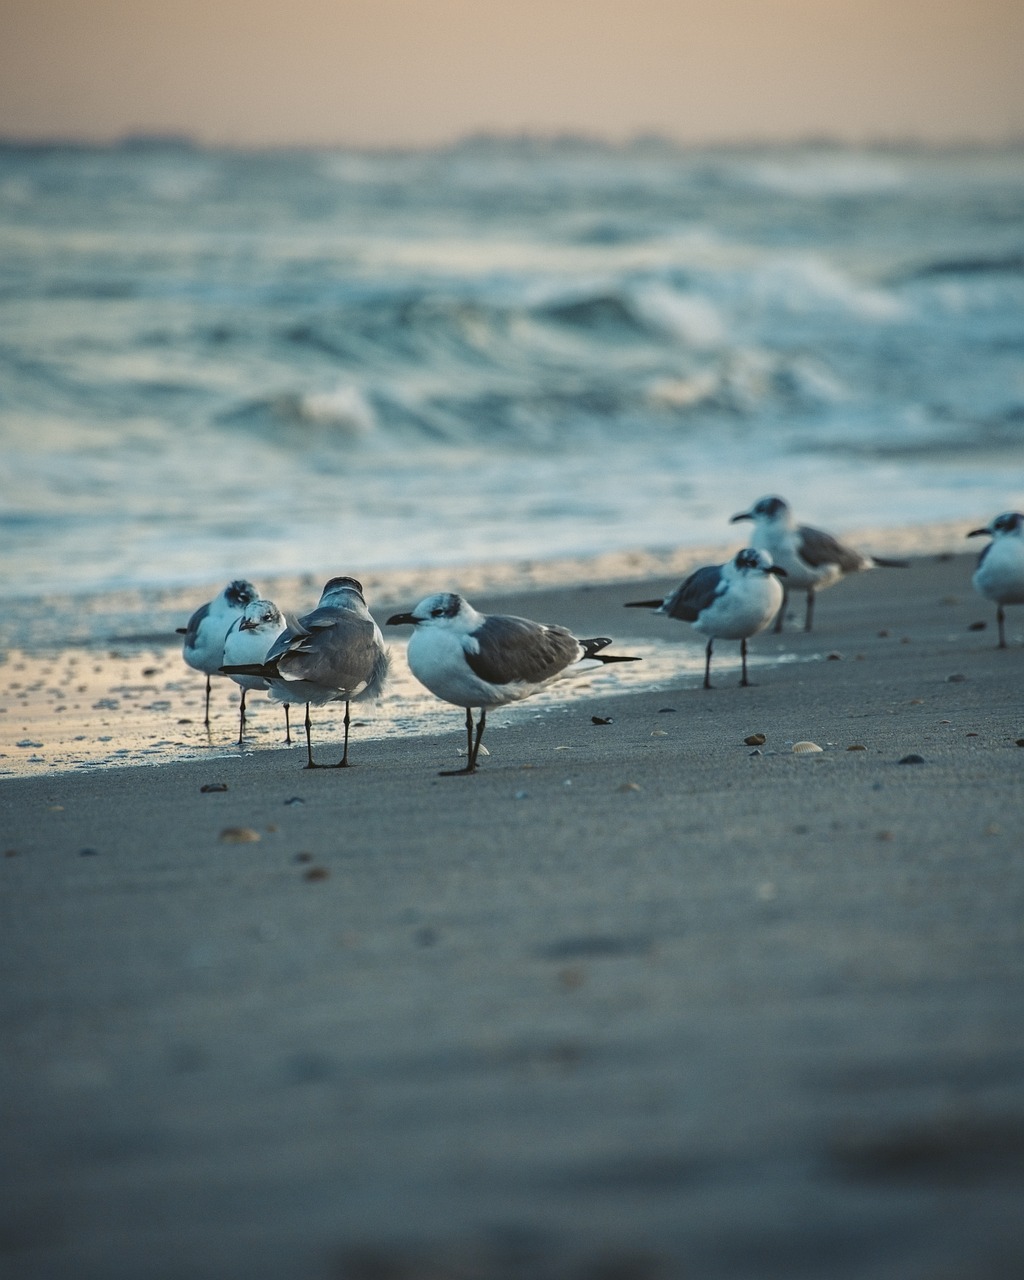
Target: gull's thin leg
x,y
309,745
707,662
1001,619
343,762
809,615
479,735
472,748
287,724
780,617
743,658
206,718
241,717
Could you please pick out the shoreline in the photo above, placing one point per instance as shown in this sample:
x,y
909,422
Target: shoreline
x,y
124,696
98,681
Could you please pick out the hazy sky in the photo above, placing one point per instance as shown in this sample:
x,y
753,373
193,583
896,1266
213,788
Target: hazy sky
x,y
399,72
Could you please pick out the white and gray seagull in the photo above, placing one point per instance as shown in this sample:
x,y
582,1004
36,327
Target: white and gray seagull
x,y
473,659
334,654
203,646
730,601
248,642
1000,573
812,558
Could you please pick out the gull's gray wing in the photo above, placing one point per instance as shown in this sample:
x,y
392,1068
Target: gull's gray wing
x,y
690,599
818,547
194,623
334,649
514,650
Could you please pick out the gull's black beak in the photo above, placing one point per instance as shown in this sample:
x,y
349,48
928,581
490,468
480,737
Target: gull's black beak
x,y
248,624
401,620
742,515
980,533
778,571
644,604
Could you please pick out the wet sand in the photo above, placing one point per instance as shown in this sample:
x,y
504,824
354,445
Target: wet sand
x,y
640,999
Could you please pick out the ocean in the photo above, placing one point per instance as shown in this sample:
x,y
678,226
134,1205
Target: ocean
x,y
217,363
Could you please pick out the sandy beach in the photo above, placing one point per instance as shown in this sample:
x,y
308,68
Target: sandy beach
x,y
641,999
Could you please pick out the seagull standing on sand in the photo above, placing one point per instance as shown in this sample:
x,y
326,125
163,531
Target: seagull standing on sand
x,y
248,642
472,659
203,647
334,654
812,559
1000,573
730,601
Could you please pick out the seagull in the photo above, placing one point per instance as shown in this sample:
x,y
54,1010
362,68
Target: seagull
x,y
248,641
334,654
1000,572
812,559
474,659
203,647
728,601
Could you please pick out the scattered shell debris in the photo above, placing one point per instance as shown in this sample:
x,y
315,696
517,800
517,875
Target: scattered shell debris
x,y
630,786
805,748
856,746
913,758
207,787
755,740
239,835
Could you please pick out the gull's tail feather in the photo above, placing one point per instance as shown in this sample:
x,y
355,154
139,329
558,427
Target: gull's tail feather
x,y
890,564
592,649
265,669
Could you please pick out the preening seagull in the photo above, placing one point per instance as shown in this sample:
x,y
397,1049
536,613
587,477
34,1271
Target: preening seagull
x,y
1000,573
730,601
248,642
812,559
334,654
203,647
473,659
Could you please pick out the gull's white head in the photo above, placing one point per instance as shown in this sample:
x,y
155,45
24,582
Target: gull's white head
x,y
1009,525
445,609
236,595
339,587
750,560
768,510
261,615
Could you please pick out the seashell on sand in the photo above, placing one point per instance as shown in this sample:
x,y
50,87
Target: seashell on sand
x,y
804,748
239,835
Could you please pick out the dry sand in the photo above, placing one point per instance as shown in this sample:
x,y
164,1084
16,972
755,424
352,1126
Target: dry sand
x,y
636,1001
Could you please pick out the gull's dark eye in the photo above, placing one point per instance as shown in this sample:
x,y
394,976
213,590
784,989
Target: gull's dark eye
x,y
437,613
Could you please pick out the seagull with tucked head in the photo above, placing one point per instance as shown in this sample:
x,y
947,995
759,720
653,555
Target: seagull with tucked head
x,y
478,660
812,558
248,642
1000,573
730,601
207,629
334,654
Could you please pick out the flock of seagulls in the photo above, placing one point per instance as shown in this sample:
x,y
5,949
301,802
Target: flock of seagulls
x,y
476,661
810,558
